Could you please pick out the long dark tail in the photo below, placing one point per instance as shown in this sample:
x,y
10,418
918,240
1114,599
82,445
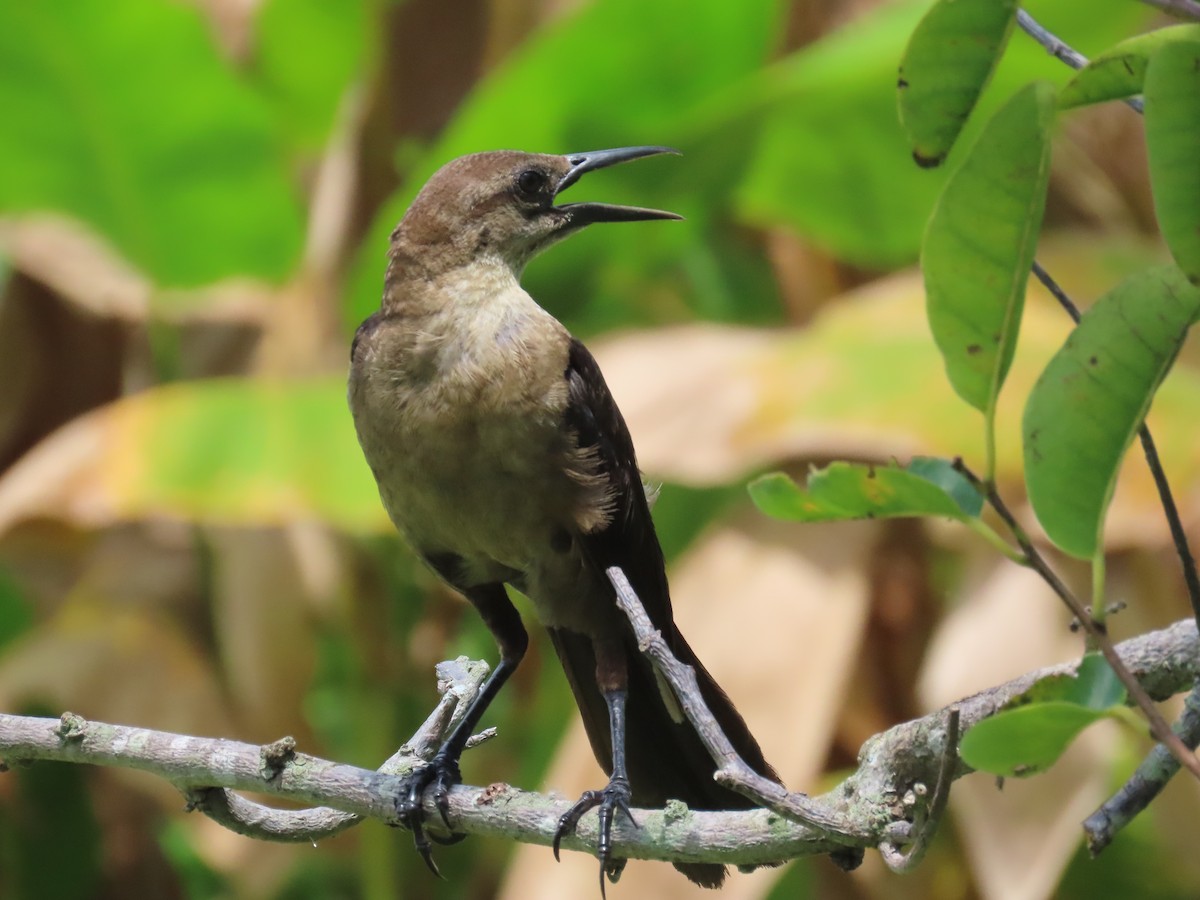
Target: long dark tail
x,y
666,759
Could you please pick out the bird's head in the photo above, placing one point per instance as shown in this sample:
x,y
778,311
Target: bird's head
x,y
501,204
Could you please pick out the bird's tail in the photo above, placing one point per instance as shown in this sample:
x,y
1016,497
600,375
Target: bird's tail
x,y
666,758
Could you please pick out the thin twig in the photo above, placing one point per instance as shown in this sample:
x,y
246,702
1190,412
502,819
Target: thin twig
x,y
1146,783
1187,561
1057,292
1095,630
732,770
1062,51
1055,47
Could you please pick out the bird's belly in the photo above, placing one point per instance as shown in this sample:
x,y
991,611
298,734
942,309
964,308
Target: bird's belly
x,y
489,489
502,508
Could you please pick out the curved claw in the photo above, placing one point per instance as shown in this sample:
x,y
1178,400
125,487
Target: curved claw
x,y
612,799
421,842
456,837
569,821
441,796
442,774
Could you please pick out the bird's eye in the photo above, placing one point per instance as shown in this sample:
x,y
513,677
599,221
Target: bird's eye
x,y
531,182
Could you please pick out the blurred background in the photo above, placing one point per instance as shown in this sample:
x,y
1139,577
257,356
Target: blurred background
x,y
195,199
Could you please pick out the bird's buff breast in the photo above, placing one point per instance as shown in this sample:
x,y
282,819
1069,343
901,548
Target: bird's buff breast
x,y
468,448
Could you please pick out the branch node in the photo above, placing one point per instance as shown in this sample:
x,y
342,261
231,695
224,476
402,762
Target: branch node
x,y
925,822
71,727
275,756
476,739
847,858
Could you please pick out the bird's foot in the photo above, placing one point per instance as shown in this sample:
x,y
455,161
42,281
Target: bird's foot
x,y
611,800
441,774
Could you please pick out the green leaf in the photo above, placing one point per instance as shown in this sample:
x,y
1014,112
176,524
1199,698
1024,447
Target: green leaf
x,y
609,105
233,451
810,144
16,613
612,104
819,150
1036,726
123,114
241,450
307,53
851,491
1119,71
1027,740
1093,685
980,242
1172,138
944,474
949,60
1089,402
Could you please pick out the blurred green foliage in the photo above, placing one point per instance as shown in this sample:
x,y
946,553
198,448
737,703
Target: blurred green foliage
x,y
195,146
126,116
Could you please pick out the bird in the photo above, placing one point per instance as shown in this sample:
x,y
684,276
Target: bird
x,y
502,459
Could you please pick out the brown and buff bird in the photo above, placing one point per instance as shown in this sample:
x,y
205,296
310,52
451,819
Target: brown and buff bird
x,y
502,459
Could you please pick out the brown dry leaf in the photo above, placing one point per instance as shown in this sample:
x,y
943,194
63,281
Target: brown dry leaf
x,y
1018,840
264,594
108,661
77,264
230,451
709,404
777,614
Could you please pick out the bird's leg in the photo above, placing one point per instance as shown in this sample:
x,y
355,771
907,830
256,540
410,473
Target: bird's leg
x,y
442,772
616,795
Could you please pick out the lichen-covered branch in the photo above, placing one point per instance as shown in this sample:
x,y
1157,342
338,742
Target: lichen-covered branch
x,y
877,804
1146,783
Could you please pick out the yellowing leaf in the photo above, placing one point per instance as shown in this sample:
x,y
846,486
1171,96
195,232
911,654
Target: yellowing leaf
x,y
231,451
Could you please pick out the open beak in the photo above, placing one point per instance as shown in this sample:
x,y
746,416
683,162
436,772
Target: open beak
x,y
587,213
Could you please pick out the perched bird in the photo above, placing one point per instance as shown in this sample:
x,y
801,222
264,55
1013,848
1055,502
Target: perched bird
x,y
502,459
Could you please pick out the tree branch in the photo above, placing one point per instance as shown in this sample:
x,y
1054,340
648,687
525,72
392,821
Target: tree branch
x,y
1146,783
877,805
1096,630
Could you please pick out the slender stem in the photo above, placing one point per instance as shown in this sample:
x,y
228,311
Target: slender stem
x,y
1095,630
1099,607
1178,535
989,534
1056,291
989,439
1055,47
1099,634
1063,51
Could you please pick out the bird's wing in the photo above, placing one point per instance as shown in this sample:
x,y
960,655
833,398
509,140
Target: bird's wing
x,y
625,537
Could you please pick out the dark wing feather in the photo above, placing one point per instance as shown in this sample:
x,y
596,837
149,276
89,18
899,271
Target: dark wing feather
x,y
629,541
666,759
